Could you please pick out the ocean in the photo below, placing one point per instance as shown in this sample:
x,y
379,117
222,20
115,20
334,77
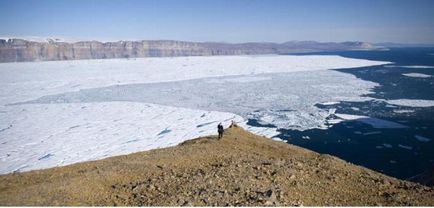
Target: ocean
x,y
398,152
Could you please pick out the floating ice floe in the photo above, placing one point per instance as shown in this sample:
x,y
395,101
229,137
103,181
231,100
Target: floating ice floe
x,y
422,139
330,103
417,75
262,131
374,122
390,106
305,137
403,111
387,145
412,102
334,121
410,66
418,67
371,133
405,147
277,139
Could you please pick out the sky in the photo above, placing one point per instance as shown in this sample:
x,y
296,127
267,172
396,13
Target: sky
x,y
401,21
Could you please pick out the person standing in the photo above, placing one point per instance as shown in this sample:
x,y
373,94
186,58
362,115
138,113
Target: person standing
x,y
220,130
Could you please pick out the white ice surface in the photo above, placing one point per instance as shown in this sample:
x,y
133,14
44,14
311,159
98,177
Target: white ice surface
x,y
34,136
28,80
78,132
417,75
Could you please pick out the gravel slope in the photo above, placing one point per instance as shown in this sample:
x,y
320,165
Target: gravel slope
x,y
240,169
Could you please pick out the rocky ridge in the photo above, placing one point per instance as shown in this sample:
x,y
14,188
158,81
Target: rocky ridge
x,y
241,169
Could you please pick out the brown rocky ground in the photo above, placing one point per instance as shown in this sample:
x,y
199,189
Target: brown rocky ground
x,y
240,169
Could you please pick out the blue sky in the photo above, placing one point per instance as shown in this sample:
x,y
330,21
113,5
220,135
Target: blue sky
x,y
405,21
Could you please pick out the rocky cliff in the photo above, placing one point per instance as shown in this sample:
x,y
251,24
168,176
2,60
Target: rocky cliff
x,y
19,50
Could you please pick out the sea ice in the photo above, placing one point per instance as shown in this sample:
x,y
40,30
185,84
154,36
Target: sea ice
x,y
405,147
35,79
371,133
43,136
374,122
422,139
334,121
330,103
242,79
263,131
403,111
417,75
61,112
410,66
286,100
418,67
387,145
412,102
277,139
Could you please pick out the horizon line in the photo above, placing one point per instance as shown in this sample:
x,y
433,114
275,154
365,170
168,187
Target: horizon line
x,y
108,40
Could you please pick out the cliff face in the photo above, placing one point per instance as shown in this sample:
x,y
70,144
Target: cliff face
x,y
18,50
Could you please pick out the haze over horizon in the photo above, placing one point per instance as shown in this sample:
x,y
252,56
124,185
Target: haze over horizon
x,y
400,21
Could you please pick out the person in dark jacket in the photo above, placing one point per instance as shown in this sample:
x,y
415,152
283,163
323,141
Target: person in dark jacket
x,y
220,130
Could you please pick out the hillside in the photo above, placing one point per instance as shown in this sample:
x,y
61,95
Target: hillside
x,y
240,169
18,50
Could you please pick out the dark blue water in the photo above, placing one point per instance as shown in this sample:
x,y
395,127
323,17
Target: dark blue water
x,y
384,150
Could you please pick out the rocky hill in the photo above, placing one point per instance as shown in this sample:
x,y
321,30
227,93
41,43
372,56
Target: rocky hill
x,y
19,50
240,169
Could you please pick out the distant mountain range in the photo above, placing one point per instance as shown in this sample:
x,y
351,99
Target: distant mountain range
x,y
402,45
20,50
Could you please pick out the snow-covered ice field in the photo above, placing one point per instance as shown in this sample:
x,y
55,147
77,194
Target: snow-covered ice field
x,y
63,112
